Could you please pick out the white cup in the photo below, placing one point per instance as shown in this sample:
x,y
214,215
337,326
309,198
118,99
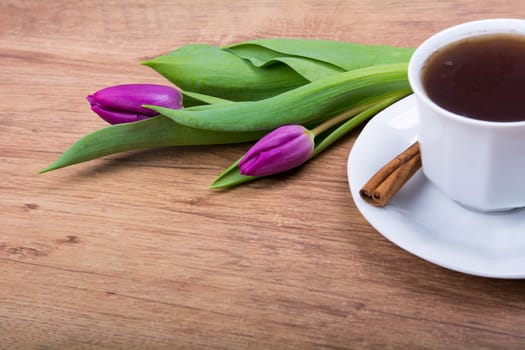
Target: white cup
x,y
480,164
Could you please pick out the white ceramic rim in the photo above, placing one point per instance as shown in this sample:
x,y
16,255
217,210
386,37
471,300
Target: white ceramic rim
x,y
441,39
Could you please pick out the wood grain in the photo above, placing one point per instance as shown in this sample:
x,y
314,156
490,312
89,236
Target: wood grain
x,y
133,251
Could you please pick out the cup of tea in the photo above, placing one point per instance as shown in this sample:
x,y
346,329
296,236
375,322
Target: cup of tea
x,y
469,83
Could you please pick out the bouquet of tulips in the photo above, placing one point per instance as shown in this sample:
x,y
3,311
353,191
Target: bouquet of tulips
x,y
295,96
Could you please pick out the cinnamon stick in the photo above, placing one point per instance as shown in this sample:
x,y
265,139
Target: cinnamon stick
x,y
384,184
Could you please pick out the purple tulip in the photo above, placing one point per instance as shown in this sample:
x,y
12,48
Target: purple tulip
x,y
282,149
123,103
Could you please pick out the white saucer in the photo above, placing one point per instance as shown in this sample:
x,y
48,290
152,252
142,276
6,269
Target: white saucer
x,y
420,219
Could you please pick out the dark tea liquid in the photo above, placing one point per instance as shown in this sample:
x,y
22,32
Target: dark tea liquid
x,y
481,77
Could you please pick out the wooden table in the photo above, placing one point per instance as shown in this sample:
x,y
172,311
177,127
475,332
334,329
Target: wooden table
x,y
133,251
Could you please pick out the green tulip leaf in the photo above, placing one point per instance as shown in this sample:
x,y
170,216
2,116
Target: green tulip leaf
x,y
309,102
345,55
149,133
209,70
310,69
231,177
258,69
191,99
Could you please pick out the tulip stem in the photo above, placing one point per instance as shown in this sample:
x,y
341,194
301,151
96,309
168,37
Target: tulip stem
x,y
339,118
319,129
385,101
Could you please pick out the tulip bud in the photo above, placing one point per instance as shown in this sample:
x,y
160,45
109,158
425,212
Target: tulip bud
x,y
123,103
282,149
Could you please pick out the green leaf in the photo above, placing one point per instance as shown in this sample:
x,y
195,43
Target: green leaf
x,y
318,99
149,133
258,69
191,99
212,71
345,55
231,177
310,69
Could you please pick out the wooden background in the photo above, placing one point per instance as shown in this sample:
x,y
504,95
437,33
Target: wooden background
x,y
134,251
